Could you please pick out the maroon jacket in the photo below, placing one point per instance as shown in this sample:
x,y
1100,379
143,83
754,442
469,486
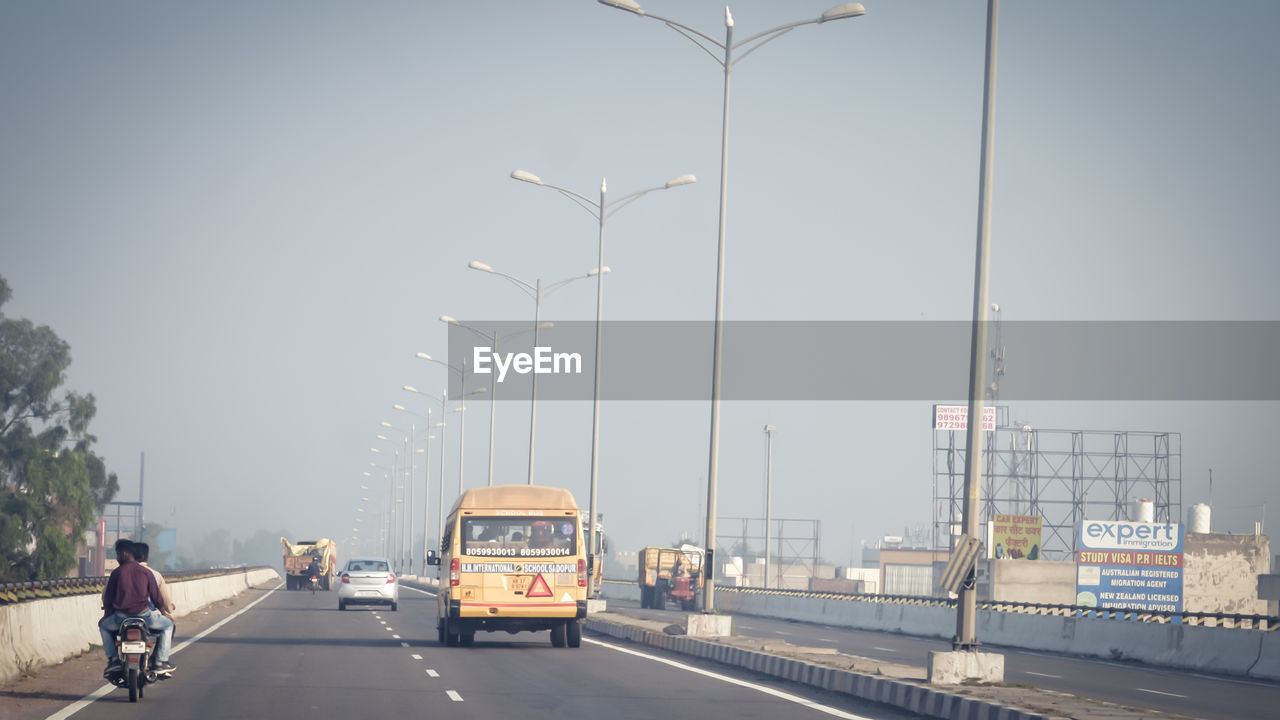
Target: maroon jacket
x,y
129,588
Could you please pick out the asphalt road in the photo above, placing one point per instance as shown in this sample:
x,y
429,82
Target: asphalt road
x,y
294,655
1186,693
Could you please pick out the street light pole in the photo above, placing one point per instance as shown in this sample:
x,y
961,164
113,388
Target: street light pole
x,y
601,212
966,605
726,61
769,430
537,292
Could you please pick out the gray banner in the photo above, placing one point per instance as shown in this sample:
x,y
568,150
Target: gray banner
x,y
790,360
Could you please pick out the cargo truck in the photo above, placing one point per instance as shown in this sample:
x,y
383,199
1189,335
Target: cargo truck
x,y
670,575
298,557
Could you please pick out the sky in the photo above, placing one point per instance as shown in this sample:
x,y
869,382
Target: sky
x,y
247,217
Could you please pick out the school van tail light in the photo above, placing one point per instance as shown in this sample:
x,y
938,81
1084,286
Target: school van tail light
x,y
453,572
582,572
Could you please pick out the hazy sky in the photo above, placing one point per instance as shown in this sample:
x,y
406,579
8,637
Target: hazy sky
x,y
246,218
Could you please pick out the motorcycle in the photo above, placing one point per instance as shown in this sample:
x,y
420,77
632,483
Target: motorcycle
x,y
313,582
135,646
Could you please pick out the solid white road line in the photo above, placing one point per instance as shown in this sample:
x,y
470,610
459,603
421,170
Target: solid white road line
x,y
432,673
1157,692
836,712
883,649
453,695
424,592
1043,675
83,702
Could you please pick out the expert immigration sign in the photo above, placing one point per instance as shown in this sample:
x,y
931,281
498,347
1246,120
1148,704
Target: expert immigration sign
x,y
1129,565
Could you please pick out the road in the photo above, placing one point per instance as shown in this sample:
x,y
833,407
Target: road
x,y
1174,691
294,655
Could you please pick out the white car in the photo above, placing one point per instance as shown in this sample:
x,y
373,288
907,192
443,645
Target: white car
x,y
368,581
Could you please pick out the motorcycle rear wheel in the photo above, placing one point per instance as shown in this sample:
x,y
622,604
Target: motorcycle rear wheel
x,y
134,685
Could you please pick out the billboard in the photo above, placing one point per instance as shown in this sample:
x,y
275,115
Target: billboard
x,y
1016,537
1130,565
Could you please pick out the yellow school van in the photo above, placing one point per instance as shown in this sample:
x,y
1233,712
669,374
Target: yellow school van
x,y
516,561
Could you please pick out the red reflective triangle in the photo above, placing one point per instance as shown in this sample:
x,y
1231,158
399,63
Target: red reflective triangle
x,y
539,588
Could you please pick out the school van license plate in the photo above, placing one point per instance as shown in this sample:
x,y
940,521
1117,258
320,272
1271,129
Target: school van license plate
x,y
133,647
519,583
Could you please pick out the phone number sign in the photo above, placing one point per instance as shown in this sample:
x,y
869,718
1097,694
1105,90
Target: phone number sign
x,y
956,417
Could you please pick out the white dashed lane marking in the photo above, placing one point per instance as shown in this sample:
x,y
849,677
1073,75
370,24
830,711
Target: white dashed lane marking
x,y
415,656
397,637
883,649
1157,692
432,673
453,695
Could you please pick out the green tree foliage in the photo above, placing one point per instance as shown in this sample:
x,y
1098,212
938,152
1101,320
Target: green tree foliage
x,y
51,483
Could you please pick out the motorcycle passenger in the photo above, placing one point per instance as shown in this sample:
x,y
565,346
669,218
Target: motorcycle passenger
x,y
129,589
155,623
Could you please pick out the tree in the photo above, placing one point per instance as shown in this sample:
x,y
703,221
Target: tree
x,y
51,482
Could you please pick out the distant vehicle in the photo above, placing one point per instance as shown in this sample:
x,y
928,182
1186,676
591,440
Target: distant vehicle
x,y
517,562
298,558
670,575
368,581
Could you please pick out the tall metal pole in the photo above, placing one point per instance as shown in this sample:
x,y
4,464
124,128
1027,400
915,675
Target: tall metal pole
x,y
713,465
426,494
493,408
533,400
768,497
444,416
462,420
409,507
966,631
595,402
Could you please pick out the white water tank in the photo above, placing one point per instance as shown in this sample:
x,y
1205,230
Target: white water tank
x,y
1144,510
1198,518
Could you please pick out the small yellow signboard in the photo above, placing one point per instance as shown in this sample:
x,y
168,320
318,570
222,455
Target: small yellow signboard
x,y
1016,537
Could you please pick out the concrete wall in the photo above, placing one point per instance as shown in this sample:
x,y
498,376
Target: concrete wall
x,y
43,632
1220,573
1040,581
1232,652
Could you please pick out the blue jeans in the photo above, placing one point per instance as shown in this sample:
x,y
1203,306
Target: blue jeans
x,y
156,623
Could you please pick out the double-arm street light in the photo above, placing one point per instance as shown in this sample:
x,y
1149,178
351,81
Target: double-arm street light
x,y
408,439
443,399
426,486
601,211
493,338
462,408
723,53
537,291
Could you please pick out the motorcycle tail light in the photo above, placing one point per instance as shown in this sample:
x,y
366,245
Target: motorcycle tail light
x,y
133,634
582,572
454,570
346,578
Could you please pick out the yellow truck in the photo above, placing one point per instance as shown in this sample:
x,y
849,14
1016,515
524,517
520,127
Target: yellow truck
x,y
670,575
516,561
298,557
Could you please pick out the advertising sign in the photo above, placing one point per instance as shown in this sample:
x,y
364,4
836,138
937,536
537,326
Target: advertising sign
x,y
1129,565
1016,537
956,417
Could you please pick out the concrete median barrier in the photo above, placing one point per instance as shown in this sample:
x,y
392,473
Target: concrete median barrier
x,y
44,632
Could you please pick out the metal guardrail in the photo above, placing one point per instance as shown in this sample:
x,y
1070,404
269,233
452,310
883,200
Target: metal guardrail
x,y
1237,621
61,587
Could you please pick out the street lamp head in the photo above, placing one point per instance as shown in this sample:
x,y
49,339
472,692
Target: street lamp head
x,y
384,423
375,450
423,356
477,265
628,5
599,271
382,437
411,388
398,406
449,319
770,428
528,177
685,179
840,12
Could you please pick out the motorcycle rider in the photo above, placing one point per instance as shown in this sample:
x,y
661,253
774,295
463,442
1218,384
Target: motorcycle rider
x,y
129,589
155,623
